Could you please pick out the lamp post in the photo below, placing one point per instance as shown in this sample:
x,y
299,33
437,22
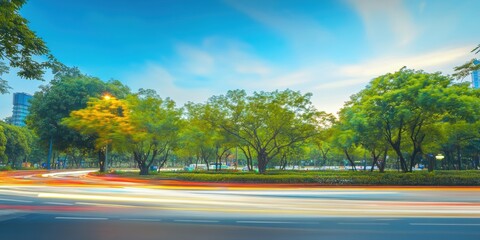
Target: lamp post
x,y
440,157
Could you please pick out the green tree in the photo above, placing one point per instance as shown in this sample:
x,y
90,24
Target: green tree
x,y
19,45
464,70
344,139
208,141
69,90
3,144
18,143
267,122
156,123
454,142
198,134
365,133
323,140
406,104
145,126
105,118
3,83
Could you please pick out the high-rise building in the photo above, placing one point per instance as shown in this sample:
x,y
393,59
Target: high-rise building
x,y
21,103
476,75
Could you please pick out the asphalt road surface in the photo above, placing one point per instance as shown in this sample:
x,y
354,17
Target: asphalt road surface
x,y
69,205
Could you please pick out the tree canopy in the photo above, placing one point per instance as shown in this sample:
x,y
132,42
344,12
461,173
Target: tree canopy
x,y
69,90
405,106
267,122
146,126
19,45
465,69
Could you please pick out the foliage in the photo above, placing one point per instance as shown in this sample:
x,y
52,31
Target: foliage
x,y
155,123
202,139
69,90
18,144
405,106
6,168
465,69
19,45
267,122
146,126
389,178
101,118
3,144
3,83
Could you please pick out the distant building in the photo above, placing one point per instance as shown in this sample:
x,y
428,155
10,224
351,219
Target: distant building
x,y
21,103
476,75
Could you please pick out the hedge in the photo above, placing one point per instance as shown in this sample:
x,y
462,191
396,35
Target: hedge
x,y
421,178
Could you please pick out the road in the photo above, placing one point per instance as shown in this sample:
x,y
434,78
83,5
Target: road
x,y
60,205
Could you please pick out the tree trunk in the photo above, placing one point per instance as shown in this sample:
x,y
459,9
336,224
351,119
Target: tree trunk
x,y
459,158
431,162
143,168
283,162
248,155
381,166
101,160
403,164
262,162
375,158
354,168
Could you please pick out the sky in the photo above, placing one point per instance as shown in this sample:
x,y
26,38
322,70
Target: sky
x,y
190,50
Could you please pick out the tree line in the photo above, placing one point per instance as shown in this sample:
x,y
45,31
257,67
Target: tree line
x,y
400,120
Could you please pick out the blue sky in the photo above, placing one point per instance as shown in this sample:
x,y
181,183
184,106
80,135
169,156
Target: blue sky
x,y
190,50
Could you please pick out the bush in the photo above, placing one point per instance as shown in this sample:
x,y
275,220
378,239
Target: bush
x,y
5,168
421,178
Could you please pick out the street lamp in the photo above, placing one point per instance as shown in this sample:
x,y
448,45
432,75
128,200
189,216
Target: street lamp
x,y
107,96
440,157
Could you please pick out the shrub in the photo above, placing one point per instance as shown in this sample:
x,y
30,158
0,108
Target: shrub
x,y
5,168
421,178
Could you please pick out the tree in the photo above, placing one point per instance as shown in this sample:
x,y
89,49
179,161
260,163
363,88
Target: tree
x,y
322,141
18,143
3,83
3,144
464,70
145,126
156,123
267,122
19,45
365,133
454,141
69,90
102,118
206,140
406,104
198,134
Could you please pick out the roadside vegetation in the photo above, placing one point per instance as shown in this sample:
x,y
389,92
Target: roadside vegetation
x,y
327,178
405,120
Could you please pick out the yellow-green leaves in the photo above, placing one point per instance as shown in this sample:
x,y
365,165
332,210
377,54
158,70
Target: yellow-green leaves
x,y
105,118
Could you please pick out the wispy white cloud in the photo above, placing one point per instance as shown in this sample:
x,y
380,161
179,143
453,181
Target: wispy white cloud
x,y
386,22
299,29
440,60
155,76
218,62
195,60
234,67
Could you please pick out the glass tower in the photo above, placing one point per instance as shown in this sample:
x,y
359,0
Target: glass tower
x,y
476,75
21,103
